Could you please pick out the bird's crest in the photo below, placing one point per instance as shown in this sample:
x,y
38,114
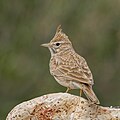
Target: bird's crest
x,y
59,29
59,35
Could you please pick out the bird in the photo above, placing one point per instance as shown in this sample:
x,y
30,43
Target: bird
x,y
69,68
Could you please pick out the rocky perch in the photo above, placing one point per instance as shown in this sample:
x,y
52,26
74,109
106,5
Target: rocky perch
x,y
62,106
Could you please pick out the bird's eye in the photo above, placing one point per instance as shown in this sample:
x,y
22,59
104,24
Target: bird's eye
x,y
57,44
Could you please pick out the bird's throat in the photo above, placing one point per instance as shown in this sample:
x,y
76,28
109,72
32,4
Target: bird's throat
x,y
52,51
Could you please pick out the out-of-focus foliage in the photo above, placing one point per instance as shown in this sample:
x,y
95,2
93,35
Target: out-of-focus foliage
x,y
92,26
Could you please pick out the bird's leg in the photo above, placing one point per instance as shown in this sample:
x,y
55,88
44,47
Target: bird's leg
x,y
67,90
81,92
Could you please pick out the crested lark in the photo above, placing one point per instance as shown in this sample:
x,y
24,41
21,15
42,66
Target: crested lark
x,y
68,68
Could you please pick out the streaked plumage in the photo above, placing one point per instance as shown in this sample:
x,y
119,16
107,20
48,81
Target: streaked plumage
x,y
68,68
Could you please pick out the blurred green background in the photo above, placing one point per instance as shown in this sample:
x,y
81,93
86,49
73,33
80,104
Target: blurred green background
x,y
93,26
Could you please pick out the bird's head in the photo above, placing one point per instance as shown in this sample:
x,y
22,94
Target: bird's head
x,y
59,43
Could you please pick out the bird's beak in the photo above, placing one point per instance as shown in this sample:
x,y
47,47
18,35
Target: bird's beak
x,y
45,45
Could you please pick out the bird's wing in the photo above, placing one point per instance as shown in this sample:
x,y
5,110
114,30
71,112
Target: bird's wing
x,y
86,70
76,69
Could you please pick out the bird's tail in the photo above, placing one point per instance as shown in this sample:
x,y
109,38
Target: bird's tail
x,y
88,91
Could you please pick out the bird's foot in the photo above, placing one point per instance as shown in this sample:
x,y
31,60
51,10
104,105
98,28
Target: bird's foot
x,y
67,90
81,92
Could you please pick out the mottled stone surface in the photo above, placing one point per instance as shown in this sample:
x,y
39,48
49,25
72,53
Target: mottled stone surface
x,y
62,106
